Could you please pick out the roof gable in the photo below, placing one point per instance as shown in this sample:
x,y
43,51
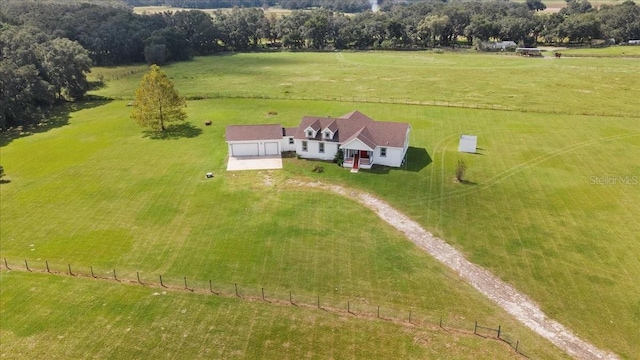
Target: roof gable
x,y
356,125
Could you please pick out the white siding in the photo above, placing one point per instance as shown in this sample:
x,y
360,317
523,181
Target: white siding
x,y
285,144
313,150
394,157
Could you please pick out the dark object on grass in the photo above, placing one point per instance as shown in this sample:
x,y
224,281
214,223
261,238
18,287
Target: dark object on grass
x,y
318,169
208,123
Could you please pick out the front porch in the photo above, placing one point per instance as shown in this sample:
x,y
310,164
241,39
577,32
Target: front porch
x,y
358,159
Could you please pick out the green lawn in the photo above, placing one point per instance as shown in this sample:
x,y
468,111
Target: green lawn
x,y
620,51
532,212
117,199
574,86
47,317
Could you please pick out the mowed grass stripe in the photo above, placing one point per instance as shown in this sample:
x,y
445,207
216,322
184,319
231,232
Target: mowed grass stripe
x,y
142,322
558,249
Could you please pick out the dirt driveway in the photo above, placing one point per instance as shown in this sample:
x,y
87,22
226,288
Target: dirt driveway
x,y
506,296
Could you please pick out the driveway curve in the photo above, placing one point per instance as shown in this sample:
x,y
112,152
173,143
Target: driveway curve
x,y
506,296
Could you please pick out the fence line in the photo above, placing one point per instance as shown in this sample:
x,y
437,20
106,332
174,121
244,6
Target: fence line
x,y
341,306
440,103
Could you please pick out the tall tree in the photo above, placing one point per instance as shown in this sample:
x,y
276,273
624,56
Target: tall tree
x,y
157,101
66,64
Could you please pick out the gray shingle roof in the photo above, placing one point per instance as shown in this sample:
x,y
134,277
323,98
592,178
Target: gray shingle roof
x,y
357,125
253,132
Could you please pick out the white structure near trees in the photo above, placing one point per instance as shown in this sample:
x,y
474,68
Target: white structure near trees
x,y
363,141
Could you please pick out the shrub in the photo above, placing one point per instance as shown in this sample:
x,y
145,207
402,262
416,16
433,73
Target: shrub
x,y
460,170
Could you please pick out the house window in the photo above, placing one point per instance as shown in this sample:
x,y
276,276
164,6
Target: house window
x,y
304,146
327,135
383,152
321,148
290,141
309,133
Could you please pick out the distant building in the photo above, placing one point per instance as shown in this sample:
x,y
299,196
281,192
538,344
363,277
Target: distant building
x,y
634,42
533,52
499,46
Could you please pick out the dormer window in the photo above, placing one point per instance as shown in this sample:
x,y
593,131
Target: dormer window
x,y
309,133
327,134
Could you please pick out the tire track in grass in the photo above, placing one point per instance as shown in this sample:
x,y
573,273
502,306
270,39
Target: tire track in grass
x,y
506,296
527,165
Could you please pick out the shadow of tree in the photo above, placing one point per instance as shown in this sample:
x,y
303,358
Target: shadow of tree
x,y
5,181
184,130
55,117
417,159
467,182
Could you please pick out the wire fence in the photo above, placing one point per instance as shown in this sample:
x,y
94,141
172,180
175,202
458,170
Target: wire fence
x,y
378,100
335,303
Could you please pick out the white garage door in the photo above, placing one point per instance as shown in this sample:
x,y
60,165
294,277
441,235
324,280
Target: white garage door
x,y
245,149
271,148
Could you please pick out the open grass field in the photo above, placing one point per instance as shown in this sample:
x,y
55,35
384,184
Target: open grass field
x,y
574,85
621,51
131,321
155,213
277,11
99,192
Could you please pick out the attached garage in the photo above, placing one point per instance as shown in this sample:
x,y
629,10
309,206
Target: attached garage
x,y
251,149
271,148
254,140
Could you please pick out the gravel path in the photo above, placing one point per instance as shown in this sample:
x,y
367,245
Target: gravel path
x,y
506,296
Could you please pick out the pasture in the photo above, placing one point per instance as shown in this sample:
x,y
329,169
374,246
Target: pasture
x,y
534,210
570,85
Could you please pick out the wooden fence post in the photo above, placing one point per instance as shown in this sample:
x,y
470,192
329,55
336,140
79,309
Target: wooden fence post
x,y
5,264
263,294
498,331
138,276
47,263
475,328
161,283
185,283
92,274
26,264
69,266
114,275
236,285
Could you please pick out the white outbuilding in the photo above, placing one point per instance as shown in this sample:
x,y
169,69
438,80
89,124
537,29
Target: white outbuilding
x,y
468,143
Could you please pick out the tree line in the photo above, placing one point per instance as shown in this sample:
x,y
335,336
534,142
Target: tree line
x,y
47,48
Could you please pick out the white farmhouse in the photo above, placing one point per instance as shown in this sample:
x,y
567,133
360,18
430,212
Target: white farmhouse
x,y
363,141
